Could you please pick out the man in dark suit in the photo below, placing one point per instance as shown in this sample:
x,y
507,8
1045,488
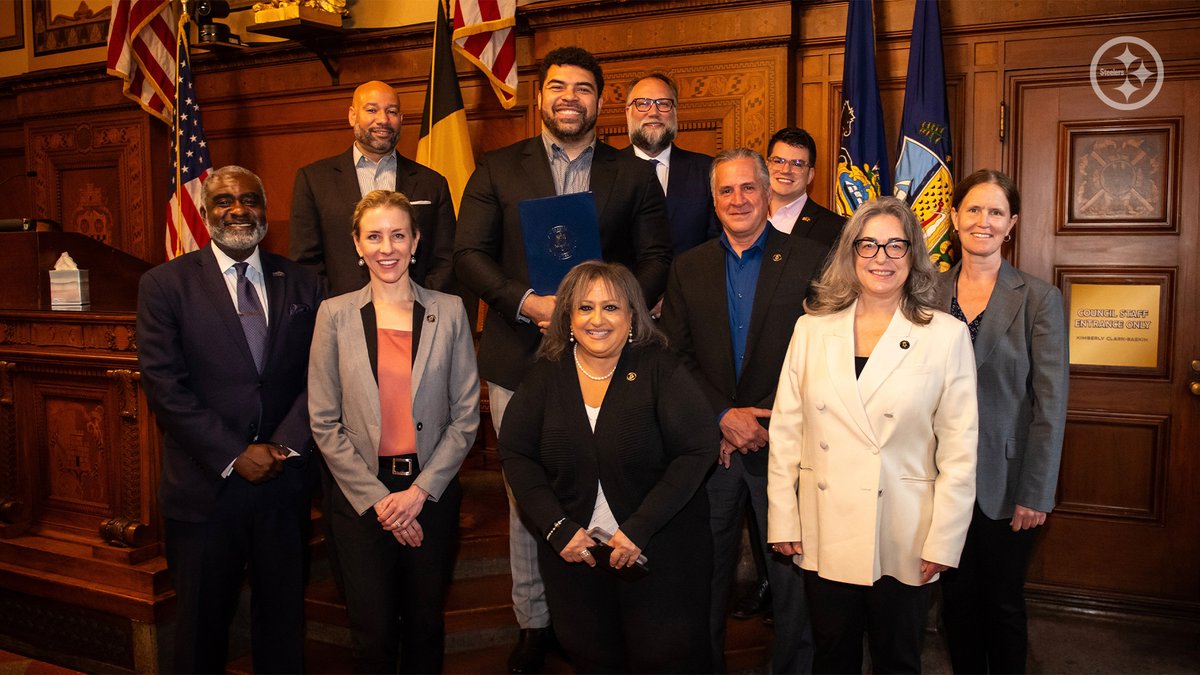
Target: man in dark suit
x,y
651,114
792,156
730,307
223,340
489,260
326,191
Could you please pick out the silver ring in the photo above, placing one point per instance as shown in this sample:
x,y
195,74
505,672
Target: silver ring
x,y
585,553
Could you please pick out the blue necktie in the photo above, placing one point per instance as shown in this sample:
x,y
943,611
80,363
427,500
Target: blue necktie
x,y
250,311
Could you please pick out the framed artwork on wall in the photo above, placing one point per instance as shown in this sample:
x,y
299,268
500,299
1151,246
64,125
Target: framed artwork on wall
x,y
12,25
67,25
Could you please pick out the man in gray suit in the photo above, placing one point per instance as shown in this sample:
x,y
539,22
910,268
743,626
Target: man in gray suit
x,y
326,191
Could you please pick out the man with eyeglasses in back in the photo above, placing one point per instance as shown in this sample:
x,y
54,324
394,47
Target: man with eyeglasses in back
x,y
651,113
791,159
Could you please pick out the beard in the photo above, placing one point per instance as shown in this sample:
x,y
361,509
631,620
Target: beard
x,y
653,141
569,133
379,146
238,239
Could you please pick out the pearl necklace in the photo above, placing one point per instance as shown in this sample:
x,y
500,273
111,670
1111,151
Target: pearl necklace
x,y
596,378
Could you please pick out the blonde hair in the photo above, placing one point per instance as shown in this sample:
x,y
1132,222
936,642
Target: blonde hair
x,y
383,199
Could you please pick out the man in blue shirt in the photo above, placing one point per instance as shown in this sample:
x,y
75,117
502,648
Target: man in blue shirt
x,y
730,308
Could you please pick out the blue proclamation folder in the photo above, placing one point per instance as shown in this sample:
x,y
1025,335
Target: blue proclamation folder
x,y
560,232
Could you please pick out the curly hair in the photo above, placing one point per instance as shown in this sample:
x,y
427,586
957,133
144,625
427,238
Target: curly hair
x,y
838,287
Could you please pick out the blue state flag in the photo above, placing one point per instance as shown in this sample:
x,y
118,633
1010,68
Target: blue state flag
x,y
923,176
862,157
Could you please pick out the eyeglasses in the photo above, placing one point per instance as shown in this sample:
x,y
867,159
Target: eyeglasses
x,y
892,248
643,104
780,161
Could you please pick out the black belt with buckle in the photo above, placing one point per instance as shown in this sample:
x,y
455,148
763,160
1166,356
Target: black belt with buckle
x,y
400,465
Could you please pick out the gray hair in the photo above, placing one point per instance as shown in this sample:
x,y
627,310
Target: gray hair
x,y
760,167
232,170
838,287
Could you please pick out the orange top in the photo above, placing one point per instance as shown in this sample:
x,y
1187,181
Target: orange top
x,y
397,434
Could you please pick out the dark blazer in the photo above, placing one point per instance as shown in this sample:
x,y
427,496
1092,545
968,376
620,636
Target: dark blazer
x,y
1023,373
323,201
653,445
489,251
696,320
690,210
818,223
203,386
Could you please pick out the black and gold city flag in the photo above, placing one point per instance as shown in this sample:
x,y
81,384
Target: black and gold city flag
x,y
445,144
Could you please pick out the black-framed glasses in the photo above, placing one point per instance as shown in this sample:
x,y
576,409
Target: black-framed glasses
x,y
643,104
780,161
892,248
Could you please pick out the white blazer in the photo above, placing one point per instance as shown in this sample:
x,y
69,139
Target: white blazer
x,y
343,397
874,474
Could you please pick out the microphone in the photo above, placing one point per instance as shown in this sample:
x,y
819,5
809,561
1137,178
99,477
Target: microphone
x,y
28,174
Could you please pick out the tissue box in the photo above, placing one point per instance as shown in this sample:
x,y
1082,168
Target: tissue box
x,y
69,288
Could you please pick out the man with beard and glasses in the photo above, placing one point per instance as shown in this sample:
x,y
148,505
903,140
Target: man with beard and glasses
x,y
223,340
489,259
326,191
651,113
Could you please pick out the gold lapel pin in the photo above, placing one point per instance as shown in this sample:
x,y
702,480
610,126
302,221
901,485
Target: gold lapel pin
x,y
631,376
904,344
431,318
806,218
777,257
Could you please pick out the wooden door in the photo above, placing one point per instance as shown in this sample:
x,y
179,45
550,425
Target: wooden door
x,y
1110,205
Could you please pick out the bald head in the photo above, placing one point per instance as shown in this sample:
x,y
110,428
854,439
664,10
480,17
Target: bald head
x,y
375,117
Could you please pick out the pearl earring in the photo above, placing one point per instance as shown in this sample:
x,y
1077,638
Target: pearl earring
x,y
572,336
361,262
413,260
631,334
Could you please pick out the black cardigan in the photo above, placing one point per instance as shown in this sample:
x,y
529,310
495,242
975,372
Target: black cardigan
x,y
655,441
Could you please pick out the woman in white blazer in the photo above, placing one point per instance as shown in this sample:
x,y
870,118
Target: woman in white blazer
x,y
1019,333
871,476
393,398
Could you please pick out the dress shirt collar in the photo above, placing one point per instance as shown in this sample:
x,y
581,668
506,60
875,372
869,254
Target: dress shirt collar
x,y
784,218
663,158
359,157
552,147
225,263
754,248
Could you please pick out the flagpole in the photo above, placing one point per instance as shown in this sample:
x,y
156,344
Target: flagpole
x,y
181,41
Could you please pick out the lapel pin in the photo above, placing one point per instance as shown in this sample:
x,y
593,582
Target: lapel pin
x,y
904,344
777,257
806,218
631,376
277,274
431,318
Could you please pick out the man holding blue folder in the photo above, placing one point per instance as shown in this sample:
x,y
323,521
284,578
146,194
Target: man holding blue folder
x,y
490,260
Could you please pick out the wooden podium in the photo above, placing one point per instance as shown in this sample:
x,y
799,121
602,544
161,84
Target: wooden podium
x,y
81,568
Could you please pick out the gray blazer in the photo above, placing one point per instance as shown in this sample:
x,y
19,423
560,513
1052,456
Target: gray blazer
x,y
1021,359
343,395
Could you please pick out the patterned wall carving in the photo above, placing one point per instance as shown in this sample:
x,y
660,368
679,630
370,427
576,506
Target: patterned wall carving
x,y
94,177
1119,178
77,454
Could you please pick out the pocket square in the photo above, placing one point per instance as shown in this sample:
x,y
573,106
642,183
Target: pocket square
x,y
420,202
298,308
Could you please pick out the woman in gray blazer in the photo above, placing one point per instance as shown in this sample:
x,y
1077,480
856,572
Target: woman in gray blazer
x,y
1019,333
393,398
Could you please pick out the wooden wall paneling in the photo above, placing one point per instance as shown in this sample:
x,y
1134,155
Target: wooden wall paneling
x,y
95,177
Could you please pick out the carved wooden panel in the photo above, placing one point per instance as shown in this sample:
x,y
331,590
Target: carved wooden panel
x,y
95,177
1119,178
1114,466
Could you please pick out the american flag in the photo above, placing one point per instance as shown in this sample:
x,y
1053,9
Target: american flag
x,y
484,34
141,51
190,165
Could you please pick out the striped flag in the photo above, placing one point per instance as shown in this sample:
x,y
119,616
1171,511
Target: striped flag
x,y
923,176
190,164
141,51
445,144
862,158
484,34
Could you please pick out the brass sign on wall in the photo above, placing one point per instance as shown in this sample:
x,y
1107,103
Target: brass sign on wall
x,y
1115,325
